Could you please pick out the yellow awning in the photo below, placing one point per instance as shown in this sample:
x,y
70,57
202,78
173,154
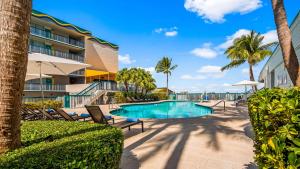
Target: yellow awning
x,y
90,73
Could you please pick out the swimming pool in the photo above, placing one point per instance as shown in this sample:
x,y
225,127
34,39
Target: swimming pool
x,y
163,110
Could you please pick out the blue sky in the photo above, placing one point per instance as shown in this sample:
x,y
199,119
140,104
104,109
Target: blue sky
x,y
193,32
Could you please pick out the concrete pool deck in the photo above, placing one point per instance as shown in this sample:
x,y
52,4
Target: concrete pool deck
x,y
217,141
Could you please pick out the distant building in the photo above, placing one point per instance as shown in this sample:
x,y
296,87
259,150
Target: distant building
x,y
274,73
52,36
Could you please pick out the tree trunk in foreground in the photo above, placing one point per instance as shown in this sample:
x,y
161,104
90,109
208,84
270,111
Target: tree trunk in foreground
x,y
254,88
285,40
14,33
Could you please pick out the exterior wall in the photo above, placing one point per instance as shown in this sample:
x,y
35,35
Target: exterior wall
x,y
101,57
275,63
76,88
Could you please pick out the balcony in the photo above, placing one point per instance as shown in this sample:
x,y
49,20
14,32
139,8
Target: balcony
x,y
46,87
55,37
57,53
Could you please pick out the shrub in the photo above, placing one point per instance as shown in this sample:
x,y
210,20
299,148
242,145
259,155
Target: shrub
x,y
275,117
60,144
49,104
160,96
120,97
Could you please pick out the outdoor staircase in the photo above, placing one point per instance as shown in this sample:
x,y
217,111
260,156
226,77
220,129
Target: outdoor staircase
x,y
90,95
93,98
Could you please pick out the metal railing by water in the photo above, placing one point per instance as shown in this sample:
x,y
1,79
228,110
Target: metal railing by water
x,y
211,96
222,101
56,37
46,87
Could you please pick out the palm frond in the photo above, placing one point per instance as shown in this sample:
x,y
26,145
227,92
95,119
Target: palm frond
x,y
233,64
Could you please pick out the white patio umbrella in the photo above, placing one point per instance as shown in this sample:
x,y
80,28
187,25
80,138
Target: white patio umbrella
x,y
45,64
246,83
35,76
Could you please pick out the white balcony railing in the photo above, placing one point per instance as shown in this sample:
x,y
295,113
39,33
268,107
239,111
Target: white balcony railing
x,y
56,53
53,36
46,87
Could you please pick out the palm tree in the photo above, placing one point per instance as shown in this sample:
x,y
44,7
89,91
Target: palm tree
x,y
148,83
248,48
14,34
285,40
165,66
123,76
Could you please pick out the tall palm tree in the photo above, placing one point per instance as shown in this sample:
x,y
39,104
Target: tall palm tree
x,y
165,66
14,34
285,40
248,48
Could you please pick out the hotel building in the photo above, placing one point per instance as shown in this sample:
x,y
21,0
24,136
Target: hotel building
x,y
55,37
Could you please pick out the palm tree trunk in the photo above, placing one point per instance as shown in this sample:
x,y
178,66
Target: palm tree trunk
x,y
14,33
285,40
254,88
167,93
126,87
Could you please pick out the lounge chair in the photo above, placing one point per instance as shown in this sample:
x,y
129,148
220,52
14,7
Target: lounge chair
x,y
27,115
50,116
30,114
98,117
70,117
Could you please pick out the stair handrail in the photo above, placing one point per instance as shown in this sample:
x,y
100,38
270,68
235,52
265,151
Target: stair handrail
x,y
84,91
219,103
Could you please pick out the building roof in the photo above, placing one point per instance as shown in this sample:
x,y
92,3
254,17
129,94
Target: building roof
x,y
261,74
101,41
62,23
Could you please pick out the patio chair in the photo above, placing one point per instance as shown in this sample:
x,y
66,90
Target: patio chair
x,y
98,117
70,117
50,116
26,115
30,114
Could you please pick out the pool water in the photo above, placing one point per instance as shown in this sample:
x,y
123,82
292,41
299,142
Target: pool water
x,y
163,110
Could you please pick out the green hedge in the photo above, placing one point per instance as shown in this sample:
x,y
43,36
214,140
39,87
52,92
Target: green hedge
x,y
60,144
275,117
49,104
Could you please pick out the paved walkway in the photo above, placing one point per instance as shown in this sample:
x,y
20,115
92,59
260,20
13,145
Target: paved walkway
x,y
217,141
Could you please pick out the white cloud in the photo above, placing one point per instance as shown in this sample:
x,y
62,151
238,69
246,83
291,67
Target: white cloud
x,y
205,51
270,36
158,30
209,69
190,77
149,69
212,71
125,59
230,39
227,85
215,10
169,32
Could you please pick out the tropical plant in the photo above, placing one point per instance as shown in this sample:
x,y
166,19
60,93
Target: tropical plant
x,y
14,34
165,66
61,144
124,77
285,41
142,80
248,48
275,118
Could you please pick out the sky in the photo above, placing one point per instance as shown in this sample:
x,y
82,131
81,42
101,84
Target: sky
x,y
194,33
